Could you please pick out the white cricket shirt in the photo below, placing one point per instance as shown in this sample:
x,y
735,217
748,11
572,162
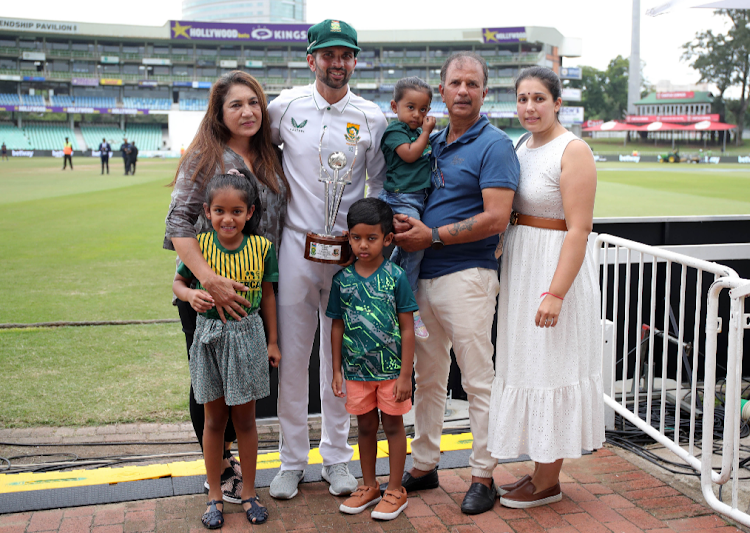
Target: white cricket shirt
x,y
298,118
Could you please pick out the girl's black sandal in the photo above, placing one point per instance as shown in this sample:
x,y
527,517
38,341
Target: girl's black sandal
x,y
256,514
213,518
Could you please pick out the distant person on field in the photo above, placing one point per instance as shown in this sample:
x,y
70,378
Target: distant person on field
x,y
406,148
133,157
104,150
3,152
125,151
67,154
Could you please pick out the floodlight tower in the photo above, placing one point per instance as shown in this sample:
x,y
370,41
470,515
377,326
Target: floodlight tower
x,y
634,74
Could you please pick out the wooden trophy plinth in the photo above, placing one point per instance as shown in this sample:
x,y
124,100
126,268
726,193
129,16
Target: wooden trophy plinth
x,y
329,249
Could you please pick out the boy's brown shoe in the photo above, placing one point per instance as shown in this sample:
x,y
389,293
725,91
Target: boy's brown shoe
x,y
361,499
393,502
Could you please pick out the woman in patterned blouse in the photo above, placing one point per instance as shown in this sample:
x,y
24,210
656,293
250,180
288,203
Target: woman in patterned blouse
x,y
235,133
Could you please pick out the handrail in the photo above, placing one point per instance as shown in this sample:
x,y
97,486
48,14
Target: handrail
x,y
616,251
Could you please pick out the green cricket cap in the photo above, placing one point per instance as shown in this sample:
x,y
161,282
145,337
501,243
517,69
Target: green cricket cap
x,y
332,33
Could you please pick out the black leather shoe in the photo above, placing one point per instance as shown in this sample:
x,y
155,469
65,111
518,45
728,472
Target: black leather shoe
x,y
479,499
410,483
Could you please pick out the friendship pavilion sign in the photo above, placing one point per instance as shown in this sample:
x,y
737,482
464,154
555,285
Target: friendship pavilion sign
x,y
221,31
38,26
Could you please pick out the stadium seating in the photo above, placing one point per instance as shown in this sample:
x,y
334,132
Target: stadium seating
x,y
13,137
10,99
93,134
499,106
130,102
49,135
146,136
437,105
29,99
193,105
83,101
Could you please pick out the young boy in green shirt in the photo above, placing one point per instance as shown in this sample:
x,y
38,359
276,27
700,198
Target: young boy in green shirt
x,y
372,307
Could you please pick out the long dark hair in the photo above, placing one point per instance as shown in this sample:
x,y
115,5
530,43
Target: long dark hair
x,y
206,151
247,187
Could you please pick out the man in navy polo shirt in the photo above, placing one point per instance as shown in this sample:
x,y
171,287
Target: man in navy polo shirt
x,y
474,176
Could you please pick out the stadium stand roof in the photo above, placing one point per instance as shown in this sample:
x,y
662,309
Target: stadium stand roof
x,y
678,97
567,46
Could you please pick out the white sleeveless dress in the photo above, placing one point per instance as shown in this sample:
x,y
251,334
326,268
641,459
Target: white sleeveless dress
x,y
547,393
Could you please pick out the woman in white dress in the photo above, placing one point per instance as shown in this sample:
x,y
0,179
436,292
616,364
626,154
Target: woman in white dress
x,y
547,393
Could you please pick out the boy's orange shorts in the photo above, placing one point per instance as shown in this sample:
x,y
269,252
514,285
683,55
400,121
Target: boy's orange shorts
x,y
364,396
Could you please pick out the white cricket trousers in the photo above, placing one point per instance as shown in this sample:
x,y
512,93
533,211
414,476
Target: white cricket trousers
x,y
458,310
304,287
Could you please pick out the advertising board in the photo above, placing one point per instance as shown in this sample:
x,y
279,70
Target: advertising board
x,y
571,73
504,35
226,31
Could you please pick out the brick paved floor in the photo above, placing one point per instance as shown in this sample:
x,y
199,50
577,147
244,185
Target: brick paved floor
x,y
602,493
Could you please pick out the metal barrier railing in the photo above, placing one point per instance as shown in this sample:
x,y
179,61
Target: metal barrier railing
x,y
738,322
633,384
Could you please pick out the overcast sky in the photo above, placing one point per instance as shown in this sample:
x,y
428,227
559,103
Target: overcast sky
x,y
603,25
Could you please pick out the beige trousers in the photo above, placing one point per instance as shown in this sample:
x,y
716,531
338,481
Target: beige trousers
x,y
458,310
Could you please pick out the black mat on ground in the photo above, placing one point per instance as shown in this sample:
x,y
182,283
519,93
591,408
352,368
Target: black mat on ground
x,y
37,500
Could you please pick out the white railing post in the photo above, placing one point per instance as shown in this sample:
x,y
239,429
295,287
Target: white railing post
x,y
730,448
615,251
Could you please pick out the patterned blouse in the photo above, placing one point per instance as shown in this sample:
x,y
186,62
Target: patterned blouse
x,y
187,219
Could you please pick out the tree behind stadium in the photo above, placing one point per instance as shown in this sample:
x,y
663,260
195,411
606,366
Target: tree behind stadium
x,y
604,93
724,59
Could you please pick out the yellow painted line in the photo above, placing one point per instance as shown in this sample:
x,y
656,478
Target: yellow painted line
x,y
462,441
10,483
80,478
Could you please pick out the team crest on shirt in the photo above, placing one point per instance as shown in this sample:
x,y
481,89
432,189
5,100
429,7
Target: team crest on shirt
x,y
352,133
297,126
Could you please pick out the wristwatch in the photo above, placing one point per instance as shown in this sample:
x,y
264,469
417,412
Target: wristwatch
x,y
437,244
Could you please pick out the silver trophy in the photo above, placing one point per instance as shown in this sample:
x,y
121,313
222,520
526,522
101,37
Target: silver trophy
x,y
325,246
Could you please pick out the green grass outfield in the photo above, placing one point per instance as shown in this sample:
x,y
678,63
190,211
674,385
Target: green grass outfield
x,y
618,146
653,189
80,246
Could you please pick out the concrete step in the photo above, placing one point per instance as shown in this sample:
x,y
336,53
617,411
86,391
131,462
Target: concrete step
x,y
79,137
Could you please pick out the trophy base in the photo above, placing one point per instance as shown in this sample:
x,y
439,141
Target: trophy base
x,y
329,249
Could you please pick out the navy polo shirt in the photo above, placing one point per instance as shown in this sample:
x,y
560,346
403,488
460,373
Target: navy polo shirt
x,y
483,157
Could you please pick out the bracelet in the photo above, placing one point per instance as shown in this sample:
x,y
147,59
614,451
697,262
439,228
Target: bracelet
x,y
555,295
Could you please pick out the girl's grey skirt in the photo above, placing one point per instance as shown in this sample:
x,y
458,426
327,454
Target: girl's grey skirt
x,y
229,360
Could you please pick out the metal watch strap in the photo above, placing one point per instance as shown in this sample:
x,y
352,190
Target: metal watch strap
x,y
437,243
